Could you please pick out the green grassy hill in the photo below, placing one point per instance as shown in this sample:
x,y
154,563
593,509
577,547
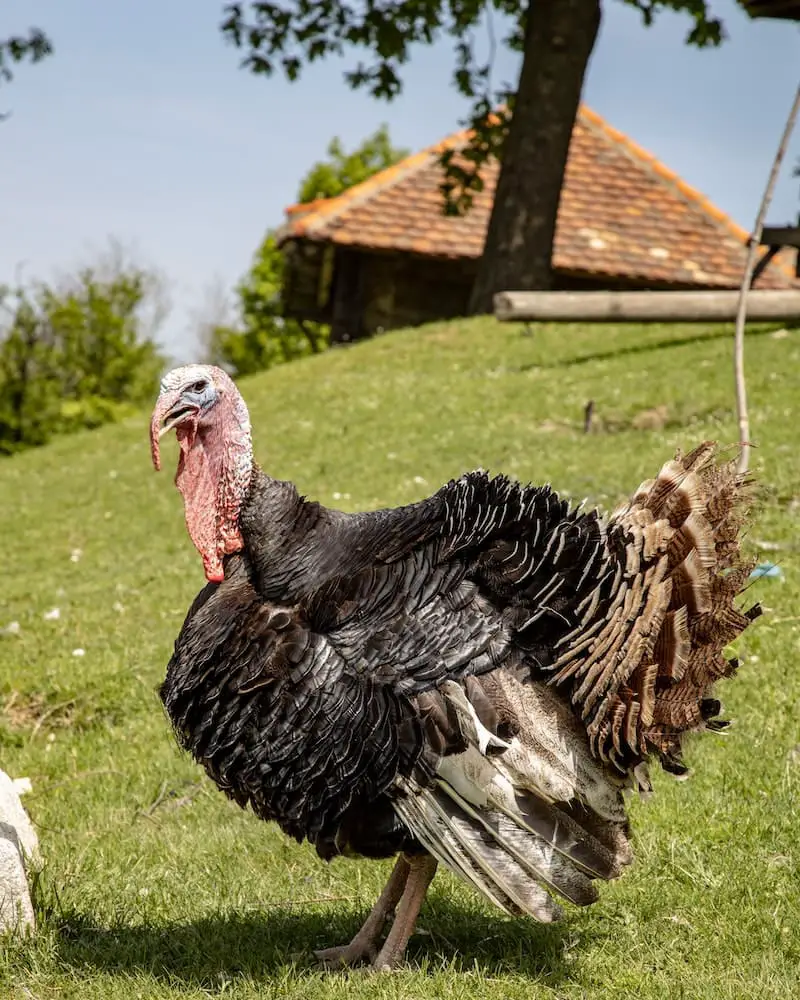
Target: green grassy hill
x,y
158,887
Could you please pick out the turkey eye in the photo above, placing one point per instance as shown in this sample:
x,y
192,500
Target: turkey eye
x,y
198,387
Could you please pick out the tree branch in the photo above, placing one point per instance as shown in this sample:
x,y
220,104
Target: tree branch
x,y
752,247
311,336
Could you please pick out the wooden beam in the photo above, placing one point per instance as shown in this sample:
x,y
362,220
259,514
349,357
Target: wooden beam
x,y
780,236
763,261
779,9
643,307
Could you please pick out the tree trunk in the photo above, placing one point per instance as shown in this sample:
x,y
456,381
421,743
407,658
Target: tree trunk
x,y
559,38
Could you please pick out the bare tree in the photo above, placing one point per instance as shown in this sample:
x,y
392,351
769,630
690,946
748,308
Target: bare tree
x,y
215,310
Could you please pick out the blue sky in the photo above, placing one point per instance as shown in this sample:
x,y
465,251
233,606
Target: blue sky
x,y
142,128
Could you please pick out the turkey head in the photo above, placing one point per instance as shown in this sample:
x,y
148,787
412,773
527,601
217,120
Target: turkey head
x,y
212,425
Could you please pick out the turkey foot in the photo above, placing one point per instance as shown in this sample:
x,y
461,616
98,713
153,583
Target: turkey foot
x,y
420,875
364,946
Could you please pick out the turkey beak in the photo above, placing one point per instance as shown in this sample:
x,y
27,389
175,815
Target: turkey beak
x,y
167,406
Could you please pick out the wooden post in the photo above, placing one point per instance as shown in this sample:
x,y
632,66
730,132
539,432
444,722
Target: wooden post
x,y
746,295
763,261
644,307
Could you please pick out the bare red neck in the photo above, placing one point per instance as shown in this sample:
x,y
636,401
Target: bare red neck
x,y
214,473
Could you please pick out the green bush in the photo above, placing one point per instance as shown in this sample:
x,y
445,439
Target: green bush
x,y
74,357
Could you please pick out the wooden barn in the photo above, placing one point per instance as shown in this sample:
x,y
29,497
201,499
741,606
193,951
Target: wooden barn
x,y
383,254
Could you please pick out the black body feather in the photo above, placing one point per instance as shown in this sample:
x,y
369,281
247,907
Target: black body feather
x,y
293,682
478,675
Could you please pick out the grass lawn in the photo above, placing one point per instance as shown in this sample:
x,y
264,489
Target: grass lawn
x,y
156,886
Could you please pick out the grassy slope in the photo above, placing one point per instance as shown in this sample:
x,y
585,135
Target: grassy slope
x,y
156,886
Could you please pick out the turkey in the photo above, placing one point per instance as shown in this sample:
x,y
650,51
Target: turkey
x,y
474,680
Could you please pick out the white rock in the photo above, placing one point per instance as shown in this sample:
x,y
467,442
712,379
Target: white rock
x,y
13,812
19,847
52,615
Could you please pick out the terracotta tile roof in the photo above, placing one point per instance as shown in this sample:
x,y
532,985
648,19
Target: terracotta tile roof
x,y
622,213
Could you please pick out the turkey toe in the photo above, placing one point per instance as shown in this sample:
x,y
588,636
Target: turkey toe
x,y
364,946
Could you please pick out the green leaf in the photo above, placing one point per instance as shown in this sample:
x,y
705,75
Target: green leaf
x,y
32,47
381,38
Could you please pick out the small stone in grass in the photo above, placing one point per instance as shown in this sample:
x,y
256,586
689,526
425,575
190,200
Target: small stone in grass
x,y
79,652
52,615
767,546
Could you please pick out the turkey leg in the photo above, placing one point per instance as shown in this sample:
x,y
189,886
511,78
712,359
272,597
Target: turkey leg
x,y
421,870
364,945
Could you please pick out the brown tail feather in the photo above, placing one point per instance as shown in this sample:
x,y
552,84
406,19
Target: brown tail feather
x,y
647,676
718,497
